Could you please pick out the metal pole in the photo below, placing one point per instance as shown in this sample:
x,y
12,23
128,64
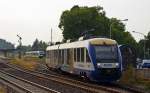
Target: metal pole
x,y
51,36
144,47
110,30
20,44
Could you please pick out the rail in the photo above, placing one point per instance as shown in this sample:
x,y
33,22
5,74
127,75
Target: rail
x,y
74,83
90,88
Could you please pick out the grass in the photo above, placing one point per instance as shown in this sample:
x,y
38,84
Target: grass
x,y
130,77
147,88
2,89
27,62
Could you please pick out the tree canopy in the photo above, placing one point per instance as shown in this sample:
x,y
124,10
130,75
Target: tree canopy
x,y
148,41
78,20
39,45
147,46
93,21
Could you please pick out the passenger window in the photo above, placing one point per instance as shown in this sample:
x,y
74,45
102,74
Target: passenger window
x,y
65,55
52,56
82,54
87,57
59,57
55,56
75,55
62,56
68,56
78,54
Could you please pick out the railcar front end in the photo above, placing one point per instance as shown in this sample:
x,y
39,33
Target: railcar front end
x,y
106,58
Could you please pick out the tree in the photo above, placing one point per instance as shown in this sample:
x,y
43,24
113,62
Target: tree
x,y
148,45
78,20
35,45
39,45
141,46
42,45
148,41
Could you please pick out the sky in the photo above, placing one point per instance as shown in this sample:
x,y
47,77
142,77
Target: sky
x,y
33,19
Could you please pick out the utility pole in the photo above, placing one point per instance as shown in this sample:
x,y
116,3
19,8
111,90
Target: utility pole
x,y
51,36
20,45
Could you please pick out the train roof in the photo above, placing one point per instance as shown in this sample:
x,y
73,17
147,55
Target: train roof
x,y
83,43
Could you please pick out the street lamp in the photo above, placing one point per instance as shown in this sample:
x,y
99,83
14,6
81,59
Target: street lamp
x,y
110,28
144,48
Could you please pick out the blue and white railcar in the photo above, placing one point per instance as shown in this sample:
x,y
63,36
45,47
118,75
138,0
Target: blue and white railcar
x,y
39,54
99,59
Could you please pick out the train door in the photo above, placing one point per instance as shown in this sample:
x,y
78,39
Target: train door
x,y
68,60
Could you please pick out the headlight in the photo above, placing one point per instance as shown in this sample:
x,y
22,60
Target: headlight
x,y
98,64
117,64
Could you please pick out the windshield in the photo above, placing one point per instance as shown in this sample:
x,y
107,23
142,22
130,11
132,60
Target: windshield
x,y
106,52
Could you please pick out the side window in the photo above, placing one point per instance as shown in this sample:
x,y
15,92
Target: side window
x,y
52,57
82,54
78,54
68,54
49,54
55,56
59,57
65,56
62,52
87,57
75,55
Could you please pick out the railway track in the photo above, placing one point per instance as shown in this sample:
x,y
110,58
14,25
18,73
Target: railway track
x,y
111,87
19,85
82,86
116,87
46,82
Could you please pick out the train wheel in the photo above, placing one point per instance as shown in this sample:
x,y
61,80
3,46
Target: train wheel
x,y
59,70
84,77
